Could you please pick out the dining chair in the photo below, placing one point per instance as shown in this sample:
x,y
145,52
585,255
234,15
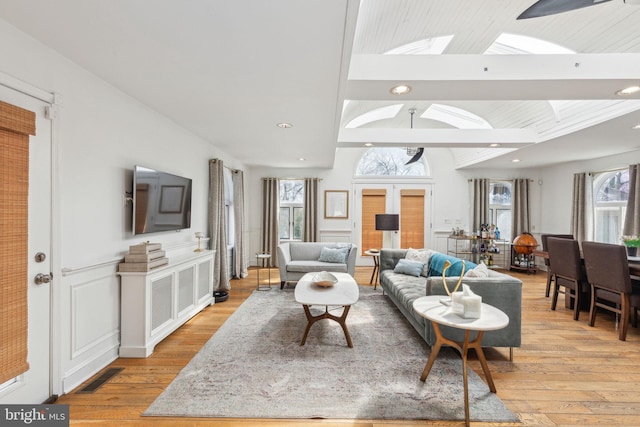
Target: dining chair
x,y
566,264
608,273
550,277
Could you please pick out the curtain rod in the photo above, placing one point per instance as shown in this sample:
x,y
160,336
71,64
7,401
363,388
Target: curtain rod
x,y
225,166
231,169
292,179
610,170
500,179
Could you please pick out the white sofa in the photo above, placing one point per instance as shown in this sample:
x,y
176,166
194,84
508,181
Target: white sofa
x,y
295,259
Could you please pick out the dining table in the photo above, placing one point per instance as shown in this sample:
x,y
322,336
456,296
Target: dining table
x,y
634,261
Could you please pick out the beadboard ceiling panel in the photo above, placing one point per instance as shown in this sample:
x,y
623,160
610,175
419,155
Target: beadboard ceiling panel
x,y
229,70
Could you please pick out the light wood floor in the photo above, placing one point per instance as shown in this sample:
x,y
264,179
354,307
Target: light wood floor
x,y
565,374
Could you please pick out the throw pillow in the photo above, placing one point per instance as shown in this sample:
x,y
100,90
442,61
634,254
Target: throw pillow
x,y
436,265
406,266
336,255
421,255
480,271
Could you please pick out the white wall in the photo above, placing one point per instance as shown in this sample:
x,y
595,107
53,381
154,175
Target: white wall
x,y
100,134
451,197
558,188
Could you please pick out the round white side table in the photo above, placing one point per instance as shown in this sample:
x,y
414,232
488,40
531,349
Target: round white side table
x,y
491,319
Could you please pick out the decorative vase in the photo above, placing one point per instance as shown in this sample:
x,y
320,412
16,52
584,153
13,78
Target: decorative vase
x,y
632,251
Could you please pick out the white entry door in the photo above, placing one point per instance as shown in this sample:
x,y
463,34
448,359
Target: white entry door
x,y
34,386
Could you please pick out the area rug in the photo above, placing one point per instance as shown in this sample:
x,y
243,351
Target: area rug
x,y
254,367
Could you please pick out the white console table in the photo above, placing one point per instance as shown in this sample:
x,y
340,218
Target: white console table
x,y
155,303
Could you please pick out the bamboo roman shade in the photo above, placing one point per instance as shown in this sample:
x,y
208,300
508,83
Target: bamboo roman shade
x,y
374,202
412,218
16,124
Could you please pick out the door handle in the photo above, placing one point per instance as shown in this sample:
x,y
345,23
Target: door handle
x,y
42,278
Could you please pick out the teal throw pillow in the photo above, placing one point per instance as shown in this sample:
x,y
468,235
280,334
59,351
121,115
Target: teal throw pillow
x,y
406,266
335,255
437,262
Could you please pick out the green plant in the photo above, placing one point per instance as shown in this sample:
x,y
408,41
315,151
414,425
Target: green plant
x,y
631,241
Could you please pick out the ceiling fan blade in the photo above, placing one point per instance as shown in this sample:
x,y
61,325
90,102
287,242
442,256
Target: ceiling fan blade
x,y
551,7
416,156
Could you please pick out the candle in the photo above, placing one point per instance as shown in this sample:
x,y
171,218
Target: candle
x,y
456,303
472,306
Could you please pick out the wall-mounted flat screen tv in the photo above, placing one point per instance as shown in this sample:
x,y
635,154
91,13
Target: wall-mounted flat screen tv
x,y
161,201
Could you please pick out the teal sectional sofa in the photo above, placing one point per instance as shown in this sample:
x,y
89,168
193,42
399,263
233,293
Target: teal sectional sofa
x,y
498,289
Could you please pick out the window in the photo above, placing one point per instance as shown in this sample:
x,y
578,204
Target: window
x,y
291,218
389,162
611,192
229,207
500,207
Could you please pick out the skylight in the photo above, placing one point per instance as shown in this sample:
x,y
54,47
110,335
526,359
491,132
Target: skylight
x,y
456,117
512,44
431,46
387,112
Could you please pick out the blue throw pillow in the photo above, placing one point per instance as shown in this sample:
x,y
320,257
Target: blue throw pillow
x,y
336,255
406,266
436,265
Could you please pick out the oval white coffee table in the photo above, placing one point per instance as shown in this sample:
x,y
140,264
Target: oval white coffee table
x,y
491,318
345,293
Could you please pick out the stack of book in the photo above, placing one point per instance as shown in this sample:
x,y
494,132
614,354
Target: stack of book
x,y
143,257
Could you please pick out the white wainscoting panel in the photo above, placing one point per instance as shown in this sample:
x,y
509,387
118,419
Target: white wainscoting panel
x,y
91,322
342,236
441,240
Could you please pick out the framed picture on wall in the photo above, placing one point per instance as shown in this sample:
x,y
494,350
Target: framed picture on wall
x,y
336,204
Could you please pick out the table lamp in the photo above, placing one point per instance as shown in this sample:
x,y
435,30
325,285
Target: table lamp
x,y
387,223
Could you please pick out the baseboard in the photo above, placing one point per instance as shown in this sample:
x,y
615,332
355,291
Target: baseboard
x,y
75,378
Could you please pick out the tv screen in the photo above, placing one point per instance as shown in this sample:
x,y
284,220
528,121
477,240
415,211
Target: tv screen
x,y
161,201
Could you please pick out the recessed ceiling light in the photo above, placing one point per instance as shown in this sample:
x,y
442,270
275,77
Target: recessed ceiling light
x,y
495,144
636,126
368,144
284,125
515,160
302,159
400,89
628,90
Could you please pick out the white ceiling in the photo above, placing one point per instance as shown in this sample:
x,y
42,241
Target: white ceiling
x,y
231,70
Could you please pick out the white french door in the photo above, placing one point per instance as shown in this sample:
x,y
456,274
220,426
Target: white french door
x,y
392,193
34,386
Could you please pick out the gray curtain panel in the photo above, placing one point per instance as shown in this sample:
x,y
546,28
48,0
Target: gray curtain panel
x,y
520,212
480,204
240,261
632,218
310,229
581,208
217,225
270,211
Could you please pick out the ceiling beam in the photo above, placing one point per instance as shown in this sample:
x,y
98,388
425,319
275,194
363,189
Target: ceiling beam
x,y
437,137
483,77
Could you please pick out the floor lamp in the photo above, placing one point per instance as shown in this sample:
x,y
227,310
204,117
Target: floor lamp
x,y
387,223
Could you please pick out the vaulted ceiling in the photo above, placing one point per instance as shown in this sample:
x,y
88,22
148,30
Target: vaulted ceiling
x,y
230,71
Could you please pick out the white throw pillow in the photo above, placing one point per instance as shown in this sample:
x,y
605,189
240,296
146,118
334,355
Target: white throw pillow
x,y
420,255
481,270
